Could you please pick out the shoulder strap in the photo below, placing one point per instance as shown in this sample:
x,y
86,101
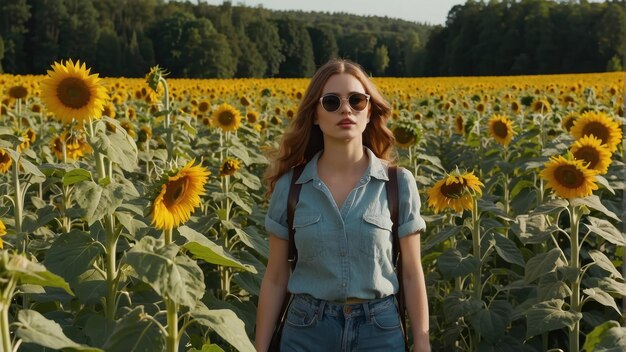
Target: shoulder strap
x,y
292,201
394,203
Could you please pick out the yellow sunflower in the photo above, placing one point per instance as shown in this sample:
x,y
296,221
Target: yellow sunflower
x,y
405,133
244,100
568,121
203,106
29,137
459,124
595,154
455,191
227,118
501,129
75,146
5,161
569,178
3,231
541,106
145,134
601,126
230,167
70,92
179,195
252,116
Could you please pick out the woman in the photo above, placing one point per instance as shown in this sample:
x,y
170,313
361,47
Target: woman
x,y
344,281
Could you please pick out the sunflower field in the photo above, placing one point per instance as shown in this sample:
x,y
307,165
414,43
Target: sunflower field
x,y
132,210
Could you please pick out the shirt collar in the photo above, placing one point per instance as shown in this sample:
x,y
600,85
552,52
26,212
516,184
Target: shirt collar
x,y
376,168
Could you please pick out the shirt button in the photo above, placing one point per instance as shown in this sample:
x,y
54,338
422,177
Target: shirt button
x,y
344,284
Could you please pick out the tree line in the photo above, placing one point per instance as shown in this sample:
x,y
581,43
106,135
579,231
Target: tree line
x,y
127,37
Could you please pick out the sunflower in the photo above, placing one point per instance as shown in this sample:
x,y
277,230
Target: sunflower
x,y
18,92
595,154
70,92
203,106
252,116
601,126
459,124
145,134
516,107
29,137
501,129
3,231
227,118
229,167
75,146
180,194
244,100
406,133
455,191
5,161
109,110
569,178
541,106
568,121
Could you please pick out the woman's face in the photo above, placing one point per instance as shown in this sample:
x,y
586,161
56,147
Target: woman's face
x,y
345,123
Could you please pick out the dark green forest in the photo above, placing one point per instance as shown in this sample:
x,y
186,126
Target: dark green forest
x,y
127,37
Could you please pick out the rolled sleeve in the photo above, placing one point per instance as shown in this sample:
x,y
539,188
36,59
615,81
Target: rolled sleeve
x,y
410,220
276,218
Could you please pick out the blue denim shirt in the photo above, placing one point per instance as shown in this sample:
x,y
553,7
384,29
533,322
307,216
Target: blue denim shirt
x,y
345,253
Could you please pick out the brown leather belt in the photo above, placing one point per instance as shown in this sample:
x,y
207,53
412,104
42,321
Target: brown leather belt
x,y
354,300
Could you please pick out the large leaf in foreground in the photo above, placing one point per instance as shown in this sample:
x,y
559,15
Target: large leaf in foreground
x,y
32,327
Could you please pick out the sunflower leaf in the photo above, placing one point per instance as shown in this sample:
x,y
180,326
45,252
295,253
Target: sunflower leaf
x,y
605,183
593,202
601,260
77,175
542,264
226,324
133,332
606,337
600,296
492,321
548,316
98,201
72,253
32,327
606,230
31,273
118,146
452,264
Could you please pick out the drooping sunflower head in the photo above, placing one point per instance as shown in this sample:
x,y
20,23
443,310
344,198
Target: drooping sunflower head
x,y
516,107
19,91
501,129
406,133
569,178
153,78
227,118
145,134
252,117
600,125
229,167
595,154
568,121
455,191
244,100
71,93
29,136
179,195
75,143
5,161
541,106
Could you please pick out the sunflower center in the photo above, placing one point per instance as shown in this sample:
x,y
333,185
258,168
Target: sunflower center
x,y
4,158
569,123
589,155
18,92
597,129
453,190
500,129
175,191
569,176
403,136
459,123
226,118
203,106
73,92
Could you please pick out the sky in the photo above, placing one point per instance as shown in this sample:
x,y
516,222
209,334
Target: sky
x,y
424,11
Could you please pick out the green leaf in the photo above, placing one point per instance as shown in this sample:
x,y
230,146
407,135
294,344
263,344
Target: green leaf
x,y
605,183
32,327
542,264
98,329
32,169
90,286
31,273
595,336
548,316
98,201
604,262
203,248
613,340
491,322
594,202
240,202
76,176
72,253
208,348
226,324
452,264
240,152
135,333
441,236
119,147
457,305
598,295
176,277
550,287
130,223
550,207
532,229
507,250
255,242
606,230
248,179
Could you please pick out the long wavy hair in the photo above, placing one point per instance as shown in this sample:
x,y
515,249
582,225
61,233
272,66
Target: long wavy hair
x,y
303,139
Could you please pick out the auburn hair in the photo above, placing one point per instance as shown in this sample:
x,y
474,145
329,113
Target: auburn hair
x,y
303,139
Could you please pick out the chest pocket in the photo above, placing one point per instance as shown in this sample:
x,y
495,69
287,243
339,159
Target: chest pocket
x,y
308,234
375,234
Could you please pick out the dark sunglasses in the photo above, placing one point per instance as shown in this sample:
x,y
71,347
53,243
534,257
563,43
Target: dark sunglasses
x,y
332,102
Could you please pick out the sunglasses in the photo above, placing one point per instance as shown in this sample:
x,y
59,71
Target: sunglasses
x,y
357,101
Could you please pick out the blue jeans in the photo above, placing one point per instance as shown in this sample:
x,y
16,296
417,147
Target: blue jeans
x,y
318,325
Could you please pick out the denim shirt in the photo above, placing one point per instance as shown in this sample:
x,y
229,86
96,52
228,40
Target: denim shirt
x,y
345,253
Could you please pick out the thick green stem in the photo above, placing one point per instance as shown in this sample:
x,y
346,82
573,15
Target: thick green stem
x,y
476,246
172,325
19,205
5,304
111,247
575,303
167,235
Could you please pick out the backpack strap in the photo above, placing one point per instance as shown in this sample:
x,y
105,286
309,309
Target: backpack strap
x,y
394,203
292,201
